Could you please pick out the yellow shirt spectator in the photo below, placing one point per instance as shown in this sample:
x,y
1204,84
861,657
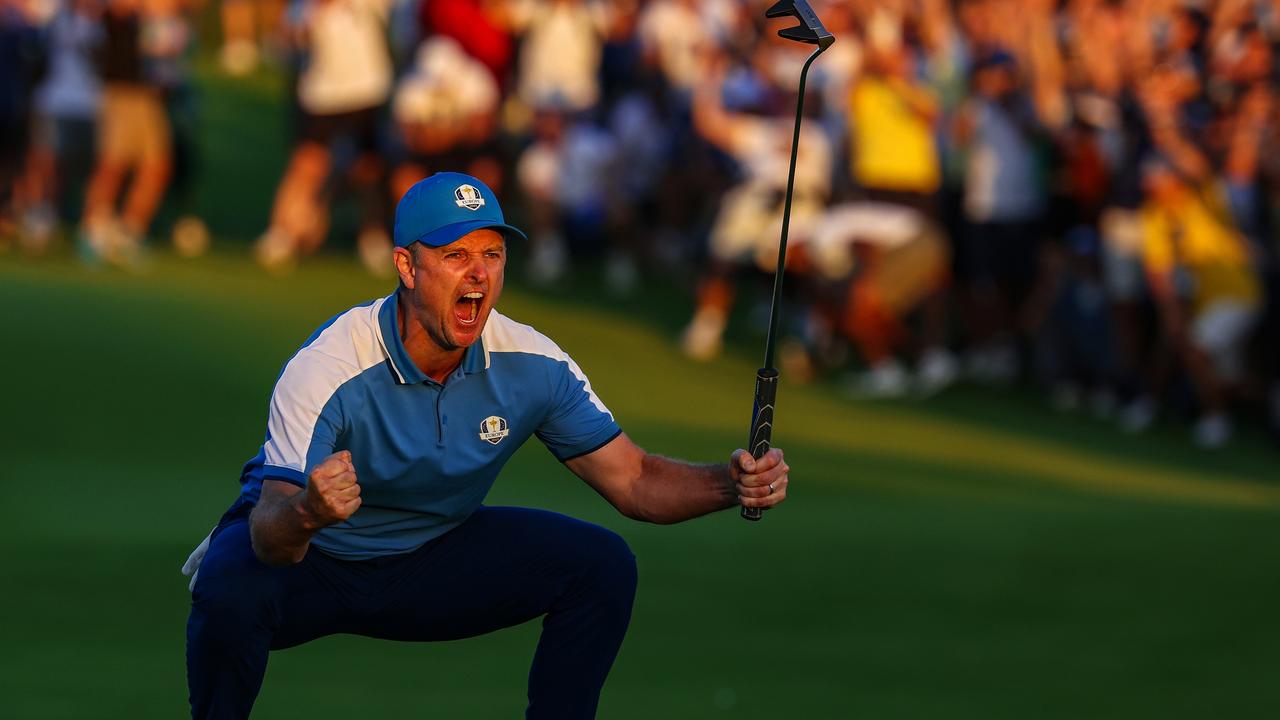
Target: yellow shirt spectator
x,y
893,143
1198,239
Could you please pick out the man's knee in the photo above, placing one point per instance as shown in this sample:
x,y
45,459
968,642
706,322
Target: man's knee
x,y
610,565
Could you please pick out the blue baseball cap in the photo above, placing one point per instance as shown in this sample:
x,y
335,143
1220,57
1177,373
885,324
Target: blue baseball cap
x,y
442,208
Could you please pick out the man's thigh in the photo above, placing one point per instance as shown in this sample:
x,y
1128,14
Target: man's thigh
x,y
502,567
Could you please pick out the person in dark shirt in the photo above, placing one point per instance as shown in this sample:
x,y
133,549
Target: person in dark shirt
x,y
19,65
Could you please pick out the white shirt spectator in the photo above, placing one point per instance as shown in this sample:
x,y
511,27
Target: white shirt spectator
x,y
349,67
560,55
672,33
445,85
830,237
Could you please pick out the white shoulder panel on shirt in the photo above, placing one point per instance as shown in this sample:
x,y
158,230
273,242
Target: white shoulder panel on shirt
x,y
502,334
349,346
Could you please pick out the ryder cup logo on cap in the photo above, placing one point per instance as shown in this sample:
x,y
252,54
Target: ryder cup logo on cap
x,y
444,207
468,197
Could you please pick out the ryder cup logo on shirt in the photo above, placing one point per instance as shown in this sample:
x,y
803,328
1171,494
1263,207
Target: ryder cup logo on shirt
x,y
466,196
493,429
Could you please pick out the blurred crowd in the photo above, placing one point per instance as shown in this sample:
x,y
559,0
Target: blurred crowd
x,y
1079,194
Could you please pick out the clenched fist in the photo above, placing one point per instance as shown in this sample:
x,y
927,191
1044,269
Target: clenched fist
x,y
332,493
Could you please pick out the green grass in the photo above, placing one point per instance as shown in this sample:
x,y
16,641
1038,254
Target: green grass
x,y
1017,565
969,556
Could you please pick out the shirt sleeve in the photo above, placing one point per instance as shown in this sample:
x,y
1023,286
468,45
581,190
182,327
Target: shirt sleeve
x,y
578,423
304,420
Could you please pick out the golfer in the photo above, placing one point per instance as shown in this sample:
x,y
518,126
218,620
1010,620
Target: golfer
x,y
362,511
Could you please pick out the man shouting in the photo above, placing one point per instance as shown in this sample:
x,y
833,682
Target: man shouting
x,y
362,511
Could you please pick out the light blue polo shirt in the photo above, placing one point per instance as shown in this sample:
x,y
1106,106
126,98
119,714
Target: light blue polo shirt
x,y
425,454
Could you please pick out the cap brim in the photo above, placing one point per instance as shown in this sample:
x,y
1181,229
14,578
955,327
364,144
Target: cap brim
x,y
442,236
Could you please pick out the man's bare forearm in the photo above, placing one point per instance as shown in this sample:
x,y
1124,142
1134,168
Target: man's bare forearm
x,y
660,490
286,516
671,491
281,528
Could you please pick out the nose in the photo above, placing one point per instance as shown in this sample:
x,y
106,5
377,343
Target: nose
x,y
477,271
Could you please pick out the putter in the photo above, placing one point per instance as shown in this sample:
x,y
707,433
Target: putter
x,y
811,32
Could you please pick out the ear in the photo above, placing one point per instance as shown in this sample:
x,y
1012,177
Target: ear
x,y
405,266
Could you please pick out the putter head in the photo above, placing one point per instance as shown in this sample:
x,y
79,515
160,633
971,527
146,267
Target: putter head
x,y
810,29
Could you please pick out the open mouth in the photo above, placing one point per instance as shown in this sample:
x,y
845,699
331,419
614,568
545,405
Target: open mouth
x,y
467,309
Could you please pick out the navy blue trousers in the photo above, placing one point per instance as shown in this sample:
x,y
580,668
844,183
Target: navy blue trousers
x,y
502,567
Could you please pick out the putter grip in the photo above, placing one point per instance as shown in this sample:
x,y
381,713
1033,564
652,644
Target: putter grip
x,y
761,423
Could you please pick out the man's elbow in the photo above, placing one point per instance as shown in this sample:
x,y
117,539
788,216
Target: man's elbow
x,y
630,507
663,519
269,552
277,556
652,519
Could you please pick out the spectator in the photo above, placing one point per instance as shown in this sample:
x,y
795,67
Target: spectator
x,y
674,39
1003,202
560,51
570,175
134,136
345,81
1074,343
1204,285
167,40
20,59
1006,136
895,158
476,25
750,214
888,262
840,68
446,111
645,130
66,108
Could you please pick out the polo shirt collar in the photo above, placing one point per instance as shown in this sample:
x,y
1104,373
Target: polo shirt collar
x,y
474,358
